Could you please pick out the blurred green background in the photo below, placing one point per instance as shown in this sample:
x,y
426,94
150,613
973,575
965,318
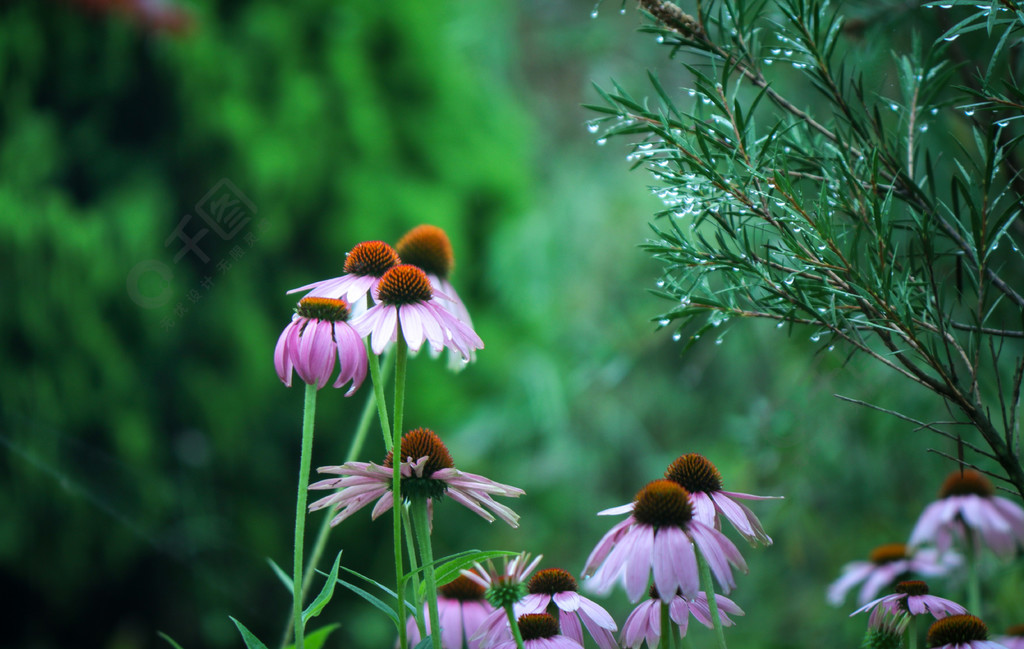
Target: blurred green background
x,y
149,450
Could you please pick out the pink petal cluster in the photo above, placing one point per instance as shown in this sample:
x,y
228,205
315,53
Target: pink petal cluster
x,y
310,346
644,622
421,322
365,482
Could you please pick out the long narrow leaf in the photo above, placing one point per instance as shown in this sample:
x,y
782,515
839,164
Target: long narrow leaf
x,y
251,641
324,597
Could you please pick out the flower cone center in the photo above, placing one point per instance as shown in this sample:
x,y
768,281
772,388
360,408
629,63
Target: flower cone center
x,y
888,553
323,308
694,472
422,442
956,629
914,587
1016,629
428,247
967,482
371,258
663,502
404,284
540,625
505,590
463,589
551,581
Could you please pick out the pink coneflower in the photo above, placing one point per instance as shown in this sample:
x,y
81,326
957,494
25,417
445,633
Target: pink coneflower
x,y
540,632
644,622
404,295
461,608
319,333
660,536
502,588
912,597
701,478
886,565
428,247
1014,637
365,264
554,591
960,632
428,470
968,504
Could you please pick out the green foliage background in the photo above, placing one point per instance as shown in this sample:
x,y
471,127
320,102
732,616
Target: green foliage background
x,y
148,470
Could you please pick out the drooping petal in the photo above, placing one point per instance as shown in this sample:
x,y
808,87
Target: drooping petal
x,y
282,358
411,317
638,566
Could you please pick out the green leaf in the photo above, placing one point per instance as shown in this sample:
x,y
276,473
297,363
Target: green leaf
x,y
251,641
282,575
324,597
449,570
317,639
376,601
169,640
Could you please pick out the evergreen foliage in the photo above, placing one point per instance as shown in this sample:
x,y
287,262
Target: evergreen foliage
x,y
881,217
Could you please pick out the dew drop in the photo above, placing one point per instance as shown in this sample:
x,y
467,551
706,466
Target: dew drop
x,y
677,336
663,322
602,141
815,337
593,14
780,325
935,111
923,128
950,39
893,107
622,11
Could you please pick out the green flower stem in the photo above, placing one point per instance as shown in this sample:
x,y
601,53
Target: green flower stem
x,y
666,627
413,568
709,589
515,626
421,525
973,582
354,450
396,480
378,392
308,415
912,633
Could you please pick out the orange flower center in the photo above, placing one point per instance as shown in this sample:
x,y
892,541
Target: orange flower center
x,y
888,553
404,284
323,308
371,258
694,472
663,503
533,626
968,481
551,581
463,589
915,587
956,629
428,247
